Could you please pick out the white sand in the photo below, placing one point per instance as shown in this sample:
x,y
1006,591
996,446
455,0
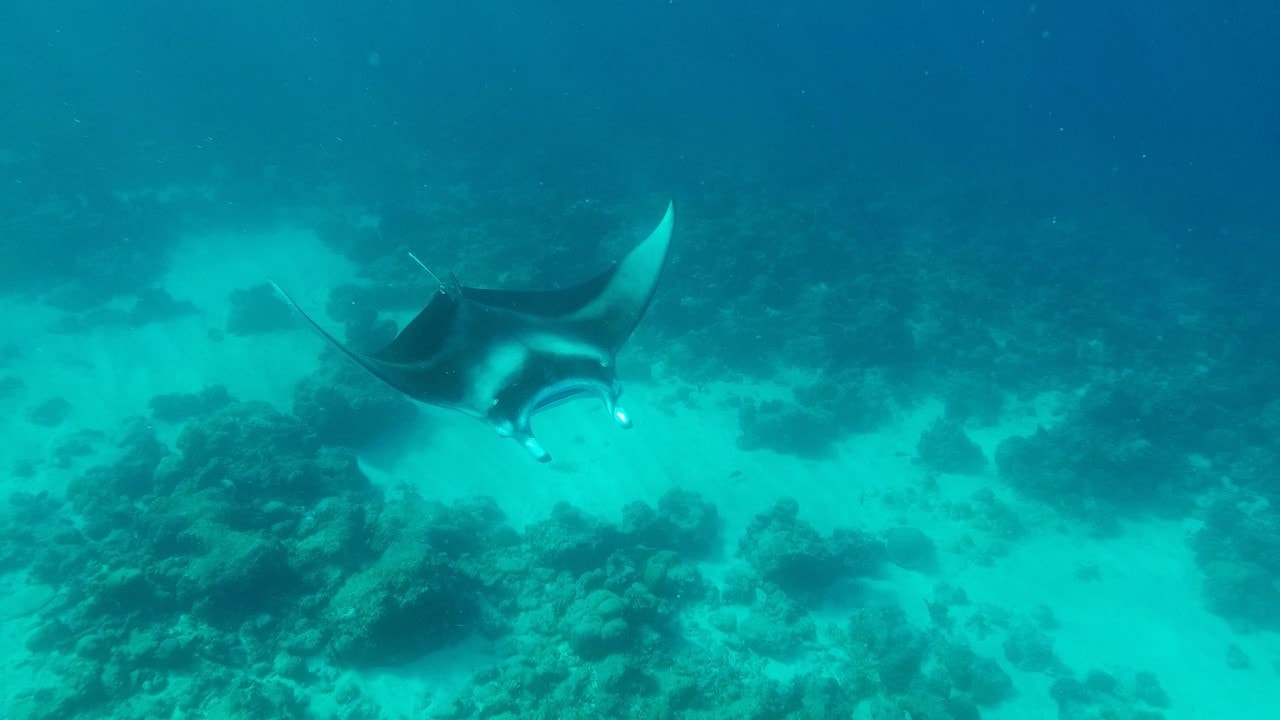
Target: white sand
x,y
1144,612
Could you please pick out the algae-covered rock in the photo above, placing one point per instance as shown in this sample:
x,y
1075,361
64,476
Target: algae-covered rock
x,y
671,578
466,527
683,522
1239,554
331,539
233,574
93,647
882,636
78,689
1147,689
258,309
344,405
252,697
410,601
910,548
290,666
972,396
596,625
179,407
125,585
945,447
790,553
739,586
819,415
131,475
251,454
776,627
219,555
803,430
50,413
1104,695
1140,427
623,677
306,642
1241,589
572,540
981,678
690,521
36,531
1029,649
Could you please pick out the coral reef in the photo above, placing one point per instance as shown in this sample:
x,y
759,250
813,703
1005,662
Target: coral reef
x,y
10,386
36,532
776,627
344,405
981,678
407,602
1029,649
944,447
1238,550
1122,447
50,413
258,310
789,553
1101,696
683,522
973,397
264,562
910,548
882,638
821,414
177,407
596,625
150,305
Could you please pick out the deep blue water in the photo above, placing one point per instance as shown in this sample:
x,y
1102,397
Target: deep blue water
x,y
1171,107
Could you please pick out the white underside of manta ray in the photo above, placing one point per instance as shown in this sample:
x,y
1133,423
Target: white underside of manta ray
x,y
501,356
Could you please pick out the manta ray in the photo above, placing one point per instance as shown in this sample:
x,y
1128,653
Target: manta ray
x,y
502,356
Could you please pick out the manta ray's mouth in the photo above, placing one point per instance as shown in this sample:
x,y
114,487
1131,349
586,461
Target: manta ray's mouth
x,y
555,394
567,390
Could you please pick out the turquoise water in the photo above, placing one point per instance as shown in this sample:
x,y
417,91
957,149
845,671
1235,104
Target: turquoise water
x,y
956,400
